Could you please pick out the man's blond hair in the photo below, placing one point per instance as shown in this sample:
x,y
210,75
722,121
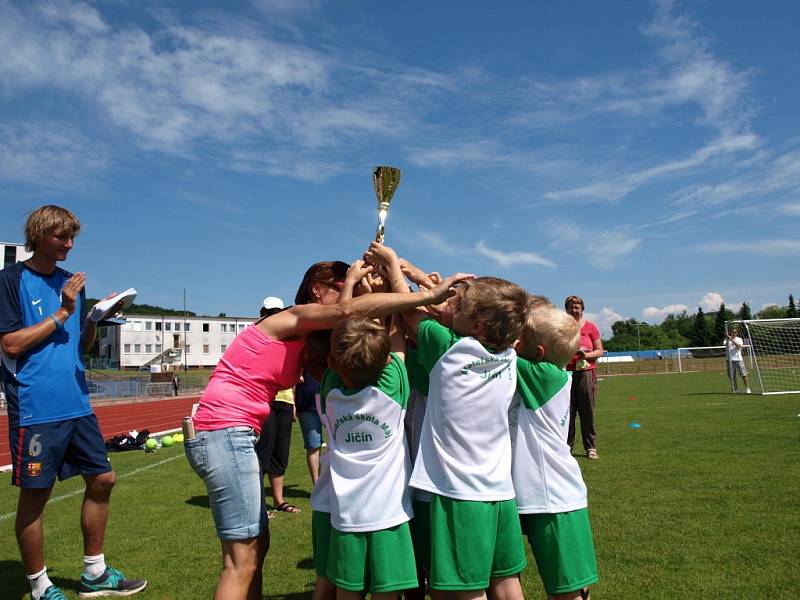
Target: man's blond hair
x,y
359,349
500,305
553,329
49,220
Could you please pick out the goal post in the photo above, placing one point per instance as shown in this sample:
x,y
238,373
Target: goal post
x,y
775,347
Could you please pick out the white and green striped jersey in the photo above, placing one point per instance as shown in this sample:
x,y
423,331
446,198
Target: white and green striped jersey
x,y
465,449
369,463
547,478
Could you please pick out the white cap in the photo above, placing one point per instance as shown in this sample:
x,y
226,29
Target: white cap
x,y
273,302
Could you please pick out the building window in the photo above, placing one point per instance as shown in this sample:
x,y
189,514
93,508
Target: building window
x,y
127,348
205,327
242,326
176,340
148,326
148,348
222,348
9,256
205,348
137,348
158,348
158,325
167,326
188,349
223,327
186,326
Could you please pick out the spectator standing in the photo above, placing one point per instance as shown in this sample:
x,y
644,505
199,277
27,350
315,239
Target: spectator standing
x,y
583,393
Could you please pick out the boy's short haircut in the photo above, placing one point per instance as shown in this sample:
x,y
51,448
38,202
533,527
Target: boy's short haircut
x,y
574,300
501,305
537,301
360,348
48,220
556,331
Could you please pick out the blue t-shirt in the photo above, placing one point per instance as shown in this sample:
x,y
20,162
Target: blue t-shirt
x,y
47,383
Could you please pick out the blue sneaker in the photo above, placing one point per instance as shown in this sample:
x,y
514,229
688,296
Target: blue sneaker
x,y
52,593
110,583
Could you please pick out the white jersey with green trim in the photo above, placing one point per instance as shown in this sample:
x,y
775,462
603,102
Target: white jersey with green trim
x,y
465,449
547,478
321,493
369,461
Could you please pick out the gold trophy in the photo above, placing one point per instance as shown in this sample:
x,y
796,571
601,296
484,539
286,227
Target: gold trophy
x,y
385,180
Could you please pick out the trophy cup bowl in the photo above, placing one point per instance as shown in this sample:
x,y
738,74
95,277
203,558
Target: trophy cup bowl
x,y
385,180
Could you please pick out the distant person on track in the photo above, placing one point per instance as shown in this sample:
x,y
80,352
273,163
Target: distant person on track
x,y
265,358
176,384
584,378
733,352
44,332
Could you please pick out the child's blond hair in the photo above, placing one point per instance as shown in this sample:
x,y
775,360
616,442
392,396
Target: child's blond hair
x,y
553,329
359,351
500,304
49,220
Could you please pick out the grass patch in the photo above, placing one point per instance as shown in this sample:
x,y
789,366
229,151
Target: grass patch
x,y
701,501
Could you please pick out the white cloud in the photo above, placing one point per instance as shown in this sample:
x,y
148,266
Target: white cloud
x,y
609,247
604,320
511,259
51,154
655,315
779,247
438,243
711,301
792,209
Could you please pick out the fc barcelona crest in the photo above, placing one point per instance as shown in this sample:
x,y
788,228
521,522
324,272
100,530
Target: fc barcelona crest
x,y
34,469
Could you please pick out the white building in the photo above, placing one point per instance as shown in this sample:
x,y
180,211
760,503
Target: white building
x,y
170,341
13,253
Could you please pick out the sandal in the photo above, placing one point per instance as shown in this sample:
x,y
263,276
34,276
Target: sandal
x,y
592,454
286,507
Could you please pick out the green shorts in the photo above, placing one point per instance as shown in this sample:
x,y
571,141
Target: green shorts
x,y
473,542
382,561
563,548
320,541
421,533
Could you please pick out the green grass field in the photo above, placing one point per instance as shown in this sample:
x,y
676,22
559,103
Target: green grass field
x,y
700,502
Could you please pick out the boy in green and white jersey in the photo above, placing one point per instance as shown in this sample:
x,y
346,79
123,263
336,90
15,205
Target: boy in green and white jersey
x,y
464,457
551,494
364,397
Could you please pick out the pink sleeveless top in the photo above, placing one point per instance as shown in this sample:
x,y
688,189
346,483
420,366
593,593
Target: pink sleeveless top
x,y
251,372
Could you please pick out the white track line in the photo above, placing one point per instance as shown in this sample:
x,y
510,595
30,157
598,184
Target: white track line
x,y
80,491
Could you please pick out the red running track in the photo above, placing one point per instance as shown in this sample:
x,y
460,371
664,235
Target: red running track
x,y
115,419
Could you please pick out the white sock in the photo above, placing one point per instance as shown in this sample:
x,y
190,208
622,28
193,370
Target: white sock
x,y
39,583
94,566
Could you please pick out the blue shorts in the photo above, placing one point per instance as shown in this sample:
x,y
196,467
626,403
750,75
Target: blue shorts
x,y
226,461
63,449
311,427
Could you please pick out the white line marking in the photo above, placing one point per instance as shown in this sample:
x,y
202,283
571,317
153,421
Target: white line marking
x,y
80,491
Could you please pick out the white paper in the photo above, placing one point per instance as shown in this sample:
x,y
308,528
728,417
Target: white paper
x,y
127,298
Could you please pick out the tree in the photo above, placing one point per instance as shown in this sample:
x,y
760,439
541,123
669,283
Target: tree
x,y
700,334
791,312
719,322
772,312
744,312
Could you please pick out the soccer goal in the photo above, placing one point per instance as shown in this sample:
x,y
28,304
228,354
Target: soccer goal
x,y
775,346
708,358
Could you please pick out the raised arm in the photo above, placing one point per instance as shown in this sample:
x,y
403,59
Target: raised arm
x,y
301,319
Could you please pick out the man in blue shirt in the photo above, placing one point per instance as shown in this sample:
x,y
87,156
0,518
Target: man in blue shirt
x,y
53,432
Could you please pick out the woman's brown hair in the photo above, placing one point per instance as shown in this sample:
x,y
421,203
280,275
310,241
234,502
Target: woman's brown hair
x,y
325,272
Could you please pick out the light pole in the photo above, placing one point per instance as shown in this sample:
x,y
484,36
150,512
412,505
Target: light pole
x,y
184,331
639,337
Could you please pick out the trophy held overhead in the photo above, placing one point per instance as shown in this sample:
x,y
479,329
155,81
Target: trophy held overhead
x,y
385,180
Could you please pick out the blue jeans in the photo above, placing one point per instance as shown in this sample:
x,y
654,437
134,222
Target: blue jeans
x,y
311,428
227,463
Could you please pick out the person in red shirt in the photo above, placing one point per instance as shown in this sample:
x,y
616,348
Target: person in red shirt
x,y
584,378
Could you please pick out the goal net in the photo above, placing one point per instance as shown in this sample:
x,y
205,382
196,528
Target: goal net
x,y
775,345
708,358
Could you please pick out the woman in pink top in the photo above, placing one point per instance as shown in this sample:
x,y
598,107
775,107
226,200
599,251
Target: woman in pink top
x,y
265,358
584,378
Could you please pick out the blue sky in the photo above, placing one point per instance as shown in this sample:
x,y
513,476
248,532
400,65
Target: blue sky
x,y
645,156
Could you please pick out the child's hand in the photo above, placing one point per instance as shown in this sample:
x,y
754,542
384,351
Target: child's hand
x,y
357,271
379,254
446,287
